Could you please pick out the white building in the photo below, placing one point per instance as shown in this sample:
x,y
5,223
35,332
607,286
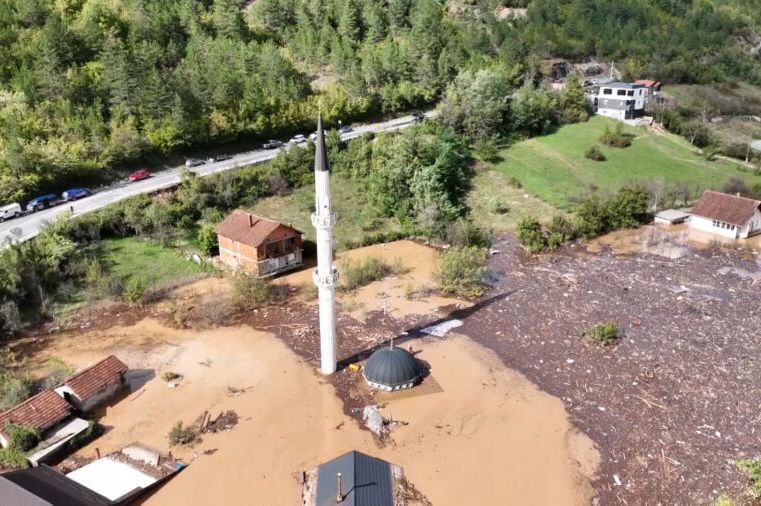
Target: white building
x,y
95,385
620,100
729,216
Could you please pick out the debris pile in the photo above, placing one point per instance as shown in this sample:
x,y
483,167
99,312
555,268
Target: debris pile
x,y
226,420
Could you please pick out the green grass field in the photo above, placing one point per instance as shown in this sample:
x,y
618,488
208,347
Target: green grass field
x,y
553,167
354,219
156,265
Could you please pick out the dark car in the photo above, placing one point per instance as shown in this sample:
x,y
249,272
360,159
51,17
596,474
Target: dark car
x,y
139,174
219,158
418,116
41,202
346,129
75,193
194,162
272,144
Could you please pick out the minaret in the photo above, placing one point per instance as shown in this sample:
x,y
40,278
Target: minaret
x,y
325,276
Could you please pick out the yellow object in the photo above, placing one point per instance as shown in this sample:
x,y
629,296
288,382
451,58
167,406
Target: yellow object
x,y
354,367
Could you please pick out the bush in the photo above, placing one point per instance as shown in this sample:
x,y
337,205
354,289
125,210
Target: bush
x,y
628,208
354,275
180,435
460,271
591,217
560,232
724,500
752,469
530,234
11,458
594,153
496,206
249,292
616,138
133,290
512,181
58,373
464,233
603,333
21,437
207,240
487,150
94,429
170,376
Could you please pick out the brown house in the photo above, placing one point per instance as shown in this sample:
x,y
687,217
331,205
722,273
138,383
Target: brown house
x,y
257,245
41,412
96,384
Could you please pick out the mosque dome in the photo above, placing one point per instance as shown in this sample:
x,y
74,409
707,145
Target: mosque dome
x,y
392,368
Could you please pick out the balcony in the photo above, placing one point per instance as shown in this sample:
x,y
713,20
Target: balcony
x,y
322,221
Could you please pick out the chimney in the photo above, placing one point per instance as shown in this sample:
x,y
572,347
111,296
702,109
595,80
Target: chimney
x,y
339,494
250,220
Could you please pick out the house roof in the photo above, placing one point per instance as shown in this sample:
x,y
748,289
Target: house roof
x,y
41,411
365,481
647,82
726,208
90,380
628,86
253,230
42,485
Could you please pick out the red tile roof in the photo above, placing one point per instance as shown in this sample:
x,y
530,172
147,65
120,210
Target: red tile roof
x,y
42,411
250,229
89,381
647,82
726,208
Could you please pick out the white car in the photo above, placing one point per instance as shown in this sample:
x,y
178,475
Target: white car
x,y
297,139
10,211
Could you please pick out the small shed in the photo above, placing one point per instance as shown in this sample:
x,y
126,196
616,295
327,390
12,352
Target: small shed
x,y
354,479
392,368
95,384
671,217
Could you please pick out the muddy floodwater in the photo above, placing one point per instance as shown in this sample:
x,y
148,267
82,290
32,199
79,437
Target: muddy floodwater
x,y
483,434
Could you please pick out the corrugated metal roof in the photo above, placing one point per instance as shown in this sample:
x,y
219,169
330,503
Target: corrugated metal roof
x,y
365,481
391,367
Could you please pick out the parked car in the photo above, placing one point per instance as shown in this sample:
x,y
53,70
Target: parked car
x,y
345,129
297,139
272,144
139,174
10,211
41,202
75,193
418,116
194,162
219,158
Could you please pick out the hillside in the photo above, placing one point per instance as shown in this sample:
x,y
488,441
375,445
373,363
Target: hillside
x,y
554,168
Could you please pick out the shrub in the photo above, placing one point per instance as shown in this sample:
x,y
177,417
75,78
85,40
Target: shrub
x,y
496,206
530,234
464,233
591,217
560,232
487,150
594,153
14,389
512,181
628,208
603,333
170,376
249,292
616,138
356,274
180,435
724,500
133,290
21,437
94,429
207,239
58,373
11,458
752,469
460,271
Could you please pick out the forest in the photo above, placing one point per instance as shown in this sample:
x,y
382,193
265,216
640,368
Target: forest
x,y
89,88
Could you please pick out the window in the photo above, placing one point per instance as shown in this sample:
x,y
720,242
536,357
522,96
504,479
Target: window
x,y
288,242
630,93
607,91
621,93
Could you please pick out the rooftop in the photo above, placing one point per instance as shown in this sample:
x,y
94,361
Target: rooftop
x,y
391,367
41,411
365,481
43,486
247,228
617,84
726,208
89,381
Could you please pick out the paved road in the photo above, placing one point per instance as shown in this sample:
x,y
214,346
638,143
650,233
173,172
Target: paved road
x,y
27,227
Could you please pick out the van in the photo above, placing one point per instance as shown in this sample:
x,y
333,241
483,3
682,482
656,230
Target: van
x,y
10,211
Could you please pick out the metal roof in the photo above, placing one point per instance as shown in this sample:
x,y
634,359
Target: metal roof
x,y
392,366
50,487
365,481
320,154
628,86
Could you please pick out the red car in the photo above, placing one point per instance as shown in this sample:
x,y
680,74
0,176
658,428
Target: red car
x,y
139,174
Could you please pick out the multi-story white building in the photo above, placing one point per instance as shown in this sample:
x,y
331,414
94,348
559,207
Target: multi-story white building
x,y
620,100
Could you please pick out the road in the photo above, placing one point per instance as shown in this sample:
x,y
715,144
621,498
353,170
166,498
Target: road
x,y
28,226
